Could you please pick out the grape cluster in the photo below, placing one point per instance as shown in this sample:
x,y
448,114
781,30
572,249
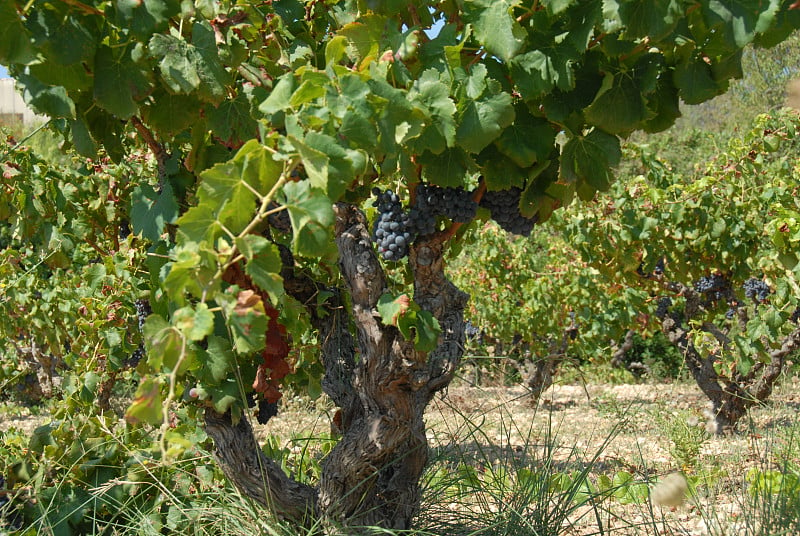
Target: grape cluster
x,y
713,286
432,201
662,308
392,229
659,268
756,289
143,310
504,206
266,410
795,315
279,220
124,229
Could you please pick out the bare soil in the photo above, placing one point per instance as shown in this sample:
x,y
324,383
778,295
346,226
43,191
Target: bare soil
x,y
631,428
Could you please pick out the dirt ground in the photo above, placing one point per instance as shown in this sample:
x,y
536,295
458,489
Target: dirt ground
x,y
640,422
643,422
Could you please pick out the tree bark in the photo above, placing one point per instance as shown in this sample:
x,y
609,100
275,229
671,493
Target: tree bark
x,y
381,383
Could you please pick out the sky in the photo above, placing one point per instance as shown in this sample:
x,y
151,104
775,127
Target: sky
x,y
3,72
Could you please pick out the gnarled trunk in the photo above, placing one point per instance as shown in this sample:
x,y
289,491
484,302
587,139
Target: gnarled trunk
x,y
371,477
731,395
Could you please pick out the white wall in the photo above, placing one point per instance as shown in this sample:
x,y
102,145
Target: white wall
x,y
12,107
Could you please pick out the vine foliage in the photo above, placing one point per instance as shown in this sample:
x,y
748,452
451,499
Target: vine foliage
x,y
250,109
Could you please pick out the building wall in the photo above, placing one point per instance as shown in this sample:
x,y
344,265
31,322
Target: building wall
x,y
12,107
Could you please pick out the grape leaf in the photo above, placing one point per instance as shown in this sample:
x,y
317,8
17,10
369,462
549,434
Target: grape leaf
x,y
118,82
495,26
147,403
311,213
15,43
47,100
151,211
263,264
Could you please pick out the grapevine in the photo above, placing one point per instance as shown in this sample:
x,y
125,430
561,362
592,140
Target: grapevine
x,y
714,287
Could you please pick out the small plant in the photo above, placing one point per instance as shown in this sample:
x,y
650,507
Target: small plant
x,y
687,436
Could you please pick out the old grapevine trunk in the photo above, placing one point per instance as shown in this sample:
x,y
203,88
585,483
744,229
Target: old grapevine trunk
x,y
731,393
381,383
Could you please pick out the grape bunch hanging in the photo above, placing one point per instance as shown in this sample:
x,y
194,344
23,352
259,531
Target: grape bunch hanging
x,y
756,289
504,206
395,229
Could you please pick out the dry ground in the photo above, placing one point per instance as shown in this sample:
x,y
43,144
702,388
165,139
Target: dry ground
x,y
642,421
578,420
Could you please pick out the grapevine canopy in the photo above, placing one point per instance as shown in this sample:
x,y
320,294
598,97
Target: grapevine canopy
x,y
241,101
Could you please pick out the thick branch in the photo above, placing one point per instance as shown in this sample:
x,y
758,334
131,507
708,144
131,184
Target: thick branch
x,y
763,387
333,326
437,295
256,475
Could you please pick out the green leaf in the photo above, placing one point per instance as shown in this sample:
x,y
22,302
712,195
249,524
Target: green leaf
x,y
217,361
311,213
147,406
177,65
145,17
619,107
695,81
528,140
433,93
195,322
414,324
213,78
652,18
62,37
15,43
482,121
195,67
326,162
193,271
225,396
263,264
364,39
152,211
308,91
199,224
47,100
539,71
165,344
426,331
82,137
743,18
280,95
118,82
495,27
587,160
170,114
359,130
391,308
447,169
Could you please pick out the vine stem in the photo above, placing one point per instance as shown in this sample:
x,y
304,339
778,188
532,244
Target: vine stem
x,y
157,148
173,380
263,212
